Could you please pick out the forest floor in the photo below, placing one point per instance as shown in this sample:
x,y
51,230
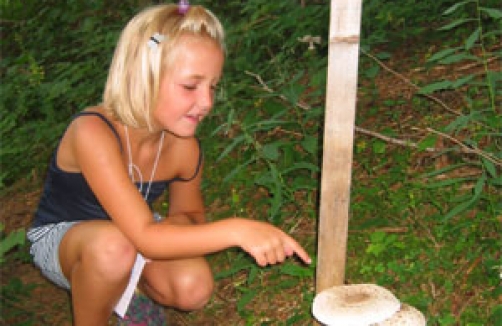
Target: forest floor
x,y
48,305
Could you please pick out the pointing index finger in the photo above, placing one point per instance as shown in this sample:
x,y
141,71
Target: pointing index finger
x,y
294,247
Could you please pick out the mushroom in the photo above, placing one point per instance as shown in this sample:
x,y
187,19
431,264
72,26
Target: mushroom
x,y
310,40
354,305
406,316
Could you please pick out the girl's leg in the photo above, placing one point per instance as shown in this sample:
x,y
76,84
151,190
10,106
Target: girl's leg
x,y
185,284
97,260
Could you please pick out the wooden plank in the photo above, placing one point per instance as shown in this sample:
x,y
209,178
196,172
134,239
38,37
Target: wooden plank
x,y
343,60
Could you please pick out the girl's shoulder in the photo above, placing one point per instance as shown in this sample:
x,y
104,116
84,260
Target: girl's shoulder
x,y
94,122
90,130
185,154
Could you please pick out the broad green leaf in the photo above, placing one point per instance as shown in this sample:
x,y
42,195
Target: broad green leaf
x,y
496,181
427,142
458,58
434,87
230,147
379,147
271,151
371,72
237,169
242,263
301,182
456,6
462,81
446,183
378,236
496,311
462,207
296,270
456,23
13,239
478,188
442,54
265,125
458,209
301,166
264,179
253,271
492,12
444,170
458,123
492,78
471,40
383,55
309,143
245,299
230,119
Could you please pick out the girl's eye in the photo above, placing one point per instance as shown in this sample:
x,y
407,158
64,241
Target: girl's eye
x,y
189,87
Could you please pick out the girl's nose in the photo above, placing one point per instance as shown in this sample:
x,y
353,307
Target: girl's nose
x,y
206,98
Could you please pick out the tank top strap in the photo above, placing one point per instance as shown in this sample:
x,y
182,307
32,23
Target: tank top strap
x,y
197,169
102,117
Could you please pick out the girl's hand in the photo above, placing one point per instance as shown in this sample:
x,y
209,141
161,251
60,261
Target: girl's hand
x,y
266,243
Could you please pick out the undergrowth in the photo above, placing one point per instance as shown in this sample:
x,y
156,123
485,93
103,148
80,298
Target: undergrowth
x,y
425,205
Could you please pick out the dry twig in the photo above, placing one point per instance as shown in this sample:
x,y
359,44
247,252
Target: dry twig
x,y
466,149
410,83
266,88
407,143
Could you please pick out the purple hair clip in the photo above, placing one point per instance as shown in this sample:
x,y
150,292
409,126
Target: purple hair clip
x,y
183,7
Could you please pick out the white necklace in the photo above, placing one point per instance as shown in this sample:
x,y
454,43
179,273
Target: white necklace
x,y
133,168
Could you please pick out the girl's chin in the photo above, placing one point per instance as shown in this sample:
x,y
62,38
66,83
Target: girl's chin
x,y
182,133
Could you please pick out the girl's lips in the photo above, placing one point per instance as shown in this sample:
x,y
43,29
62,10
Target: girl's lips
x,y
194,118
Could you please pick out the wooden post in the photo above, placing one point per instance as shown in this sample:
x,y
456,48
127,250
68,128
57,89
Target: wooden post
x,y
345,20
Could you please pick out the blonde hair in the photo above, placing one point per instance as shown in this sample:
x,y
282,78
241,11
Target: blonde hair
x,y
136,70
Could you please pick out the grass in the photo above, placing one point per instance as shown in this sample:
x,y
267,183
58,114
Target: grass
x,y
425,215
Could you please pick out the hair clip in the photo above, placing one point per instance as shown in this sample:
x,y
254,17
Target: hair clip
x,y
155,40
183,7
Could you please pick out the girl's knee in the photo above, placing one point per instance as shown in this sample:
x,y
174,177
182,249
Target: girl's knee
x,y
194,292
111,254
189,291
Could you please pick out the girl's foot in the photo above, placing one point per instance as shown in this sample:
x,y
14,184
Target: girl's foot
x,y
143,312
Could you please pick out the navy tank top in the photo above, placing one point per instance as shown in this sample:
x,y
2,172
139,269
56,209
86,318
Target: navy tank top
x,y
67,197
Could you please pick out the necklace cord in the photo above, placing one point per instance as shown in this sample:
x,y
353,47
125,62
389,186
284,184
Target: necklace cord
x,y
133,168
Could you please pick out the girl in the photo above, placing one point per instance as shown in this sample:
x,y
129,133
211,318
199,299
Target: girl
x,y
93,226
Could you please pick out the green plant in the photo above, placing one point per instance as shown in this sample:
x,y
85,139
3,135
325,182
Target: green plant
x,y
478,125
275,150
12,290
410,207
47,76
10,241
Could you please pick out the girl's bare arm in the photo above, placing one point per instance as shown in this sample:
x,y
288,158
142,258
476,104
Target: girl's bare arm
x,y
100,161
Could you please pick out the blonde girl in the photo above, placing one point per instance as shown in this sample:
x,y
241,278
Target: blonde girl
x,y
94,218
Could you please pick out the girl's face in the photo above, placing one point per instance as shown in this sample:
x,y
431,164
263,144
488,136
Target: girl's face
x,y
187,89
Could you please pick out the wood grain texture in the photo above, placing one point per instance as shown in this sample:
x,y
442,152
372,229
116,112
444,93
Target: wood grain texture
x,y
343,60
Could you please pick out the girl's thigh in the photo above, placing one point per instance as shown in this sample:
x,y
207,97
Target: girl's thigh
x,y
46,241
87,237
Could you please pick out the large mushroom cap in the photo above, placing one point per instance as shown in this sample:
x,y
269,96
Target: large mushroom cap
x,y
354,305
406,316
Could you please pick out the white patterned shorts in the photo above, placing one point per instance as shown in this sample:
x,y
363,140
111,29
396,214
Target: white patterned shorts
x,y
44,249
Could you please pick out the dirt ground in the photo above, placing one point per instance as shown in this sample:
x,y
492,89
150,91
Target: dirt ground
x,y
49,305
